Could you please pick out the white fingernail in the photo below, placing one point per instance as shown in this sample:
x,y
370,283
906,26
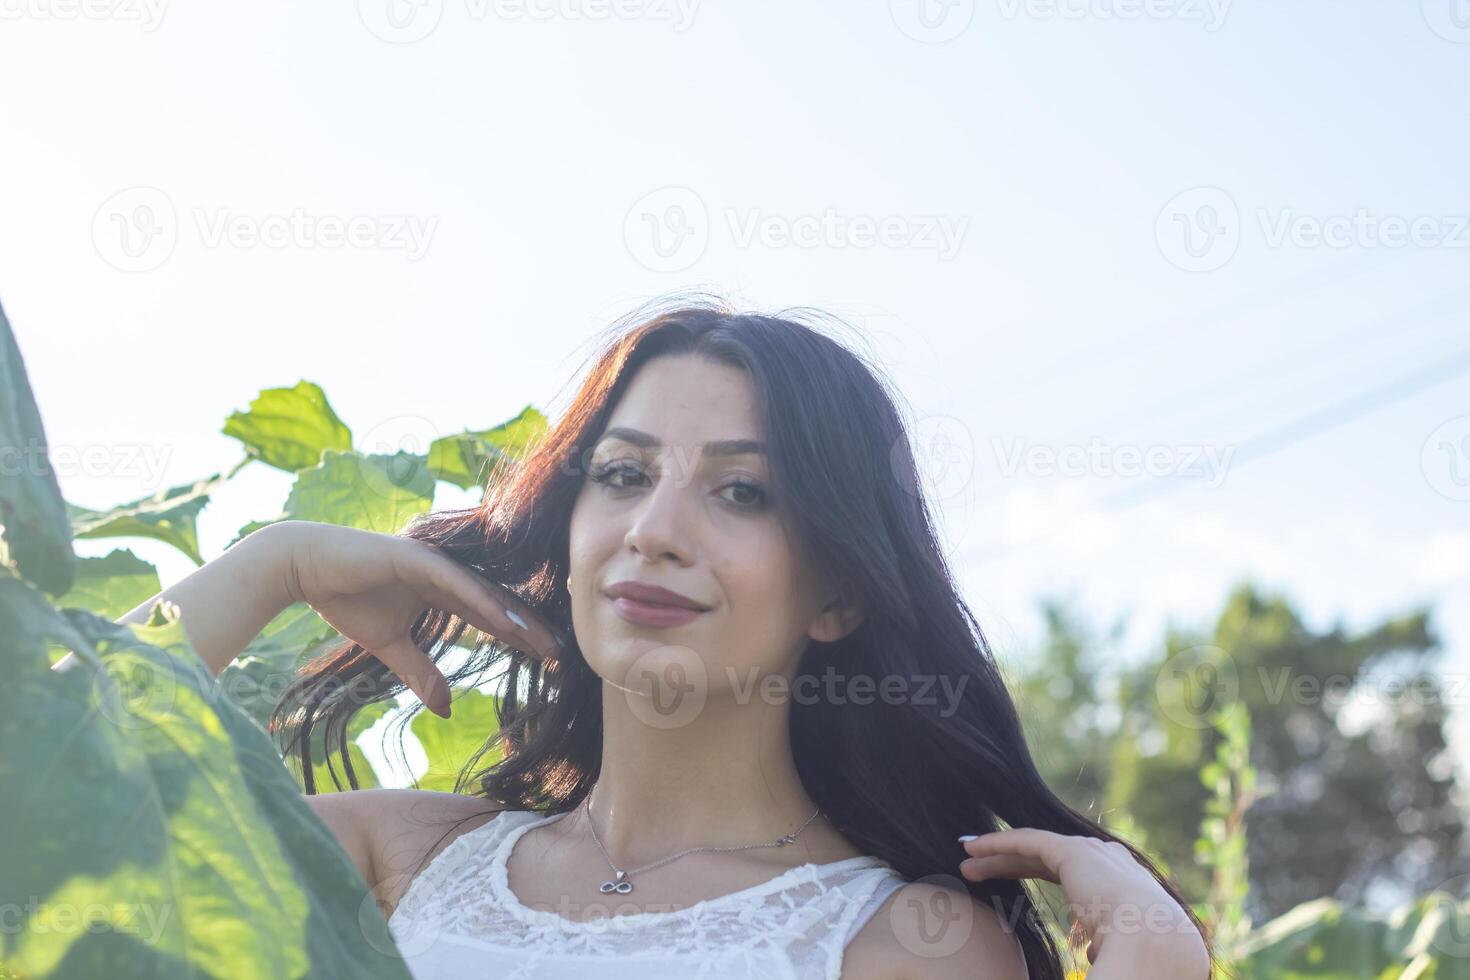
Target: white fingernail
x,y
510,614
967,837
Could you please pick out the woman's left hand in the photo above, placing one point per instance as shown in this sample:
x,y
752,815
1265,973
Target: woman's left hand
x,y
1116,900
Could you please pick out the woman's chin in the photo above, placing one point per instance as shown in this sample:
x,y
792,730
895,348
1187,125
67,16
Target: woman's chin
x,y
640,663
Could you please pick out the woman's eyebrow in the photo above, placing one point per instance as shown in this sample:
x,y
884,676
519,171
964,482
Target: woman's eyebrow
x,y
718,447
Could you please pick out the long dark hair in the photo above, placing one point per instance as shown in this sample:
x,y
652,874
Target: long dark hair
x,y
900,780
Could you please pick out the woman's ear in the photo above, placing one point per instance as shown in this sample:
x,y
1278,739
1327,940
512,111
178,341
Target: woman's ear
x,y
837,619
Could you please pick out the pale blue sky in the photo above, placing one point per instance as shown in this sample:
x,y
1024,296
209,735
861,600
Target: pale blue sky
x,y
1039,165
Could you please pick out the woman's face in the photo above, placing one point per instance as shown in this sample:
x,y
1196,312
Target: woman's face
x,y
662,506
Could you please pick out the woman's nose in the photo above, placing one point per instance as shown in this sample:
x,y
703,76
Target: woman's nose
x,y
660,527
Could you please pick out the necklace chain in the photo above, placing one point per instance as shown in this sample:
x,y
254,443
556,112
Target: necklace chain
x,y
623,886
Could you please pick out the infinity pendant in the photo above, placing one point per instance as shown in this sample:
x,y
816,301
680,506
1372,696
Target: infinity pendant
x,y
621,885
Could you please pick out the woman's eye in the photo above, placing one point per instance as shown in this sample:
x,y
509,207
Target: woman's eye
x,y
751,488
754,499
605,473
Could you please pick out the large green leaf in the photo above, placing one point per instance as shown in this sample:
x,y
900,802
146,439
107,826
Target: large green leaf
x,y
1325,940
151,830
289,428
170,516
255,679
451,742
296,630
465,459
255,684
375,493
112,585
35,534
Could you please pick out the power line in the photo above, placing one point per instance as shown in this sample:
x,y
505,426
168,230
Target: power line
x,y
1299,429
1405,321
1282,436
1171,330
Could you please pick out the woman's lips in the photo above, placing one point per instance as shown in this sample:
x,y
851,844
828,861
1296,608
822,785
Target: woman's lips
x,y
653,614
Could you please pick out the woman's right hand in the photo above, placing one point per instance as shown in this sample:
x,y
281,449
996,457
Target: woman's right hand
x,y
372,588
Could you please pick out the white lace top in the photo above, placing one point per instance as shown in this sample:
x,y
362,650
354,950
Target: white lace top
x,y
459,918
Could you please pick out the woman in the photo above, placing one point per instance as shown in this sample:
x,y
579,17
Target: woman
x,y
794,760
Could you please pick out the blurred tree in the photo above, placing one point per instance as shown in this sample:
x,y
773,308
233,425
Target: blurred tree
x,y
1356,790
1069,708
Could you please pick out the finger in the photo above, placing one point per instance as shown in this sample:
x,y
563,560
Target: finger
x,y
422,676
1005,866
1029,841
450,586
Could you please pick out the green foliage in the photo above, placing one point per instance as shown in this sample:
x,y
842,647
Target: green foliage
x,y
1221,846
113,585
1427,939
37,534
150,828
375,493
466,459
170,516
452,743
1376,776
289,428
1066,708
1243,730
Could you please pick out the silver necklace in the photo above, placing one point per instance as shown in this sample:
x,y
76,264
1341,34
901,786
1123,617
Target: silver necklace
x,y
623,886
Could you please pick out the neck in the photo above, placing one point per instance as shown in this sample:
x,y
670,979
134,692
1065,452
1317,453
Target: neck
x,y
725,779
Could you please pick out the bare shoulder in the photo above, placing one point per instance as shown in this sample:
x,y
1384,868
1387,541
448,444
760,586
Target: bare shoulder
x,y
393,834
924,930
